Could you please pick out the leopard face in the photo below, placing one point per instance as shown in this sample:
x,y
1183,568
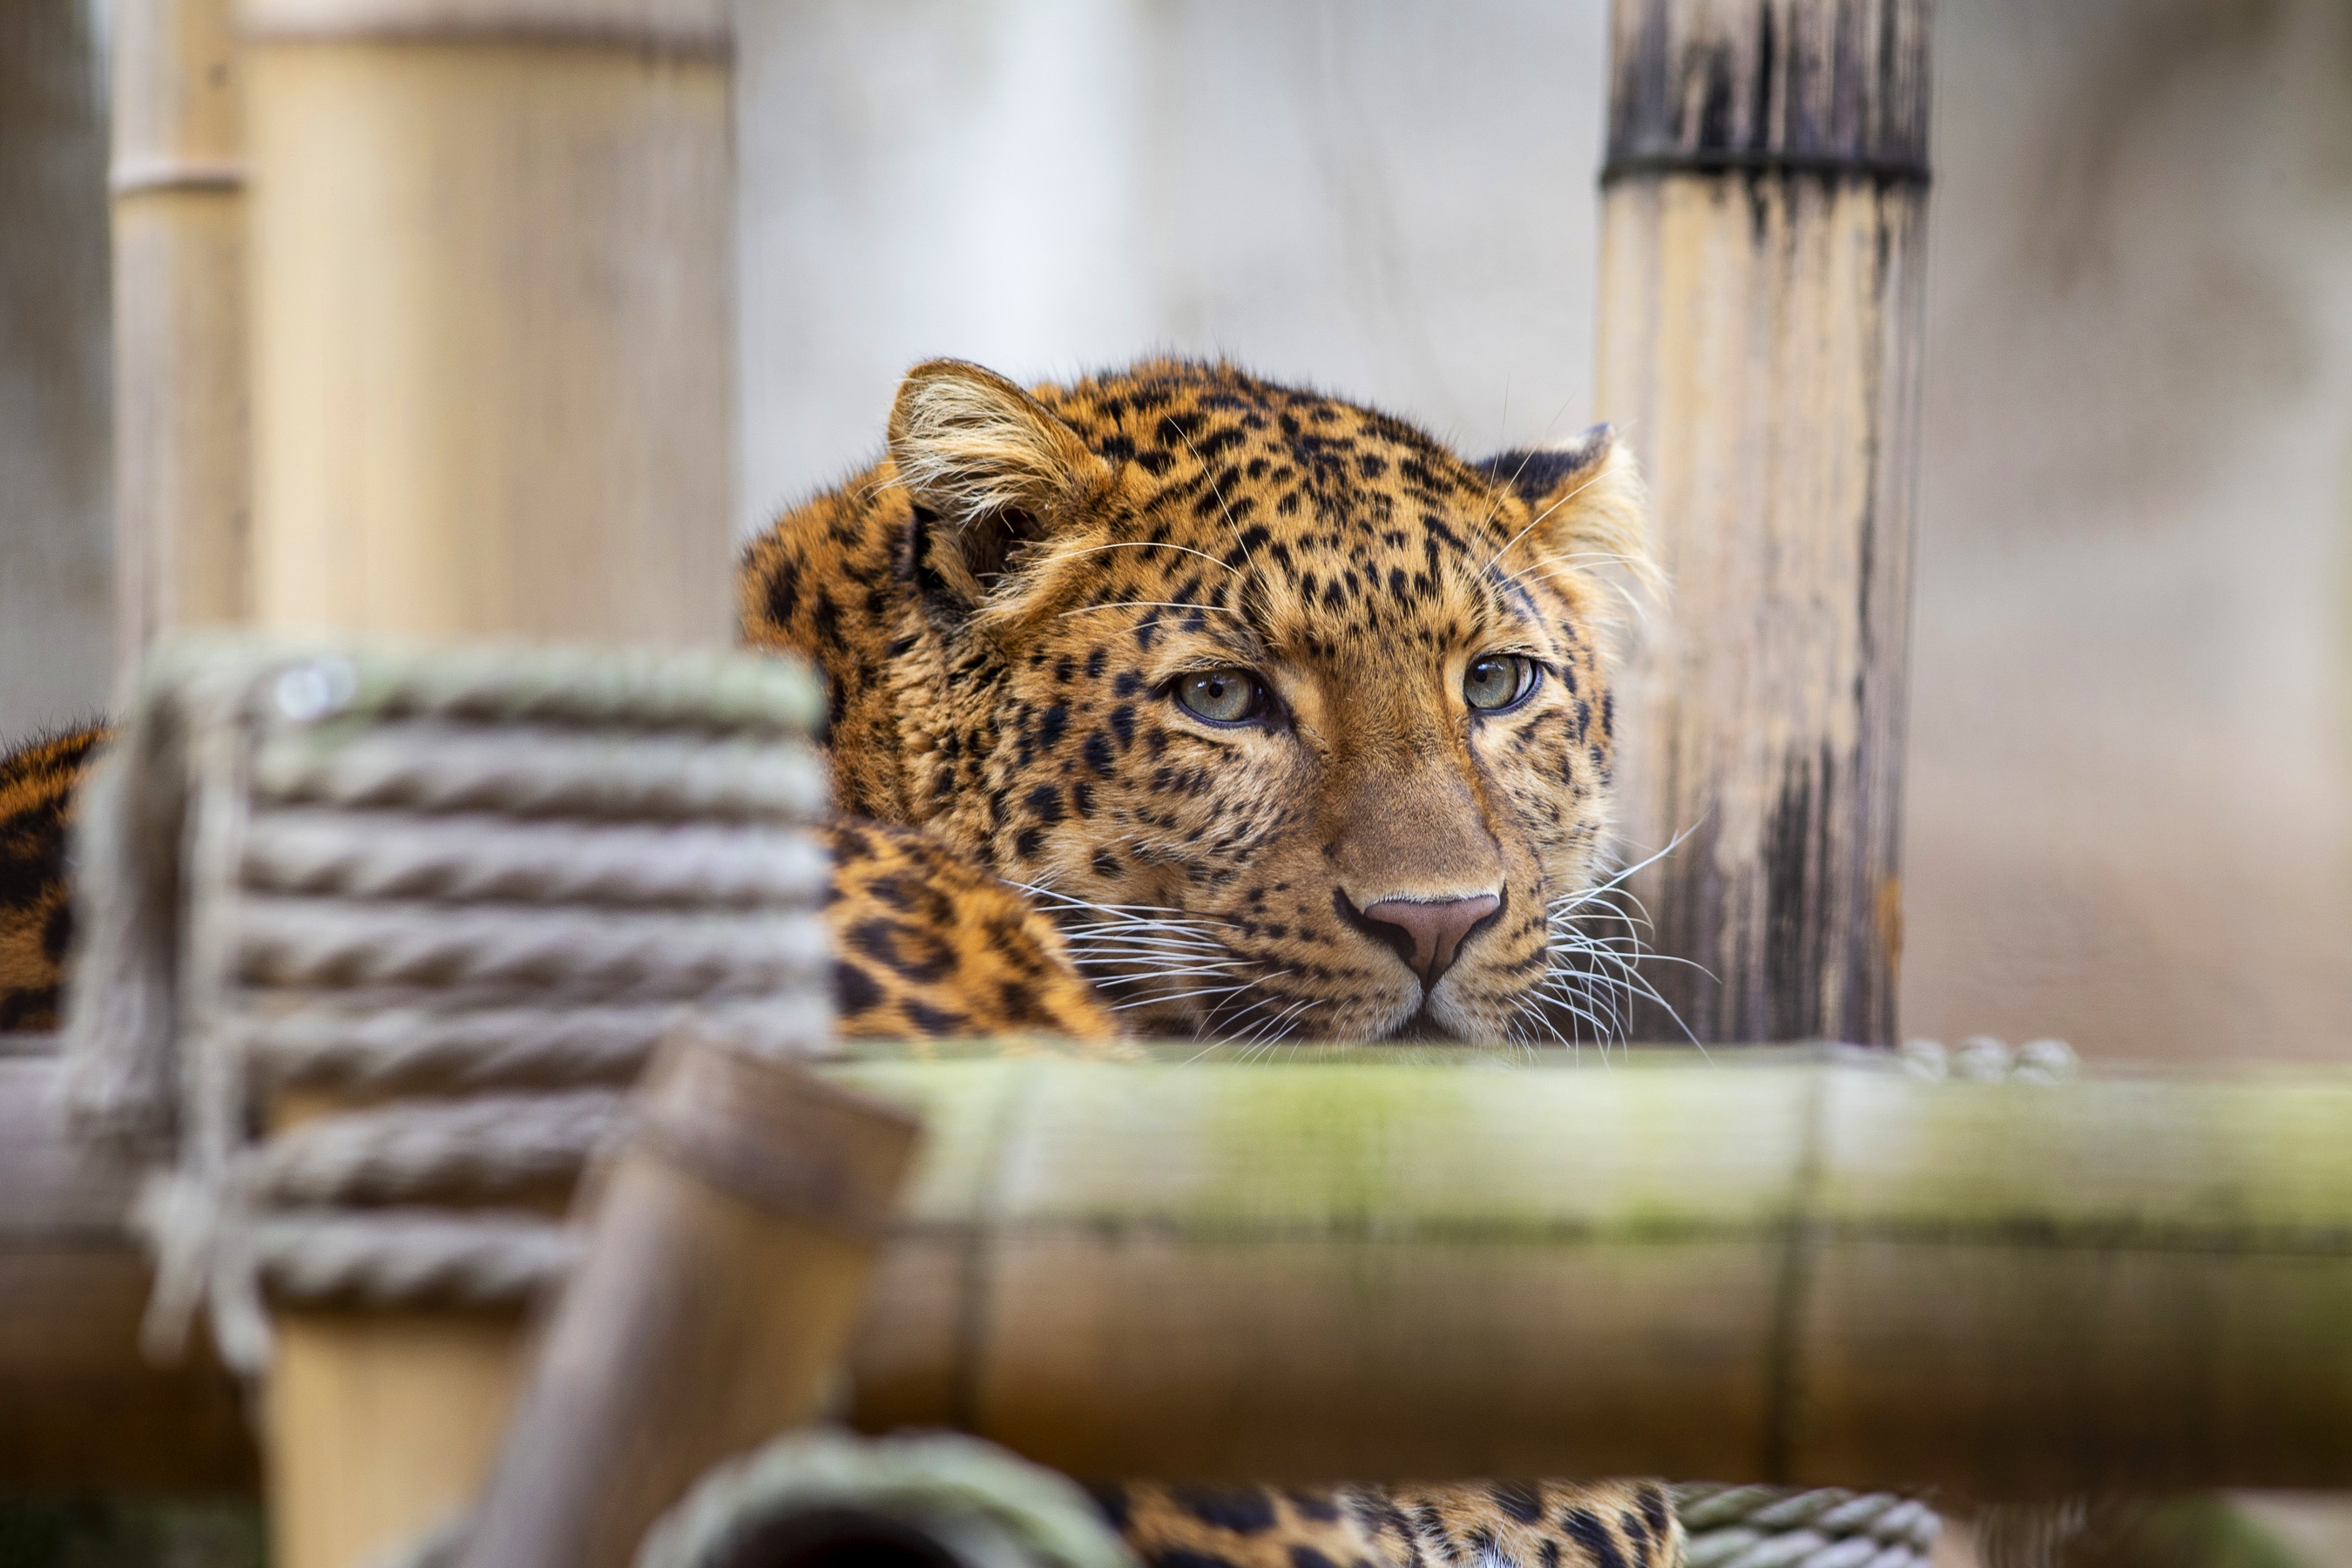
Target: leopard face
x,y
1298,723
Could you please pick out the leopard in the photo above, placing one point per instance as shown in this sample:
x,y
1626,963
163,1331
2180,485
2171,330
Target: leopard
x,y
1176,702
1294,721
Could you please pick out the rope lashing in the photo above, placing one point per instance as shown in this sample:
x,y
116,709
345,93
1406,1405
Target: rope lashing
x,y
486,1144
1821,1527
353,854
407,1258
300,944
379,1048
535,771
495,879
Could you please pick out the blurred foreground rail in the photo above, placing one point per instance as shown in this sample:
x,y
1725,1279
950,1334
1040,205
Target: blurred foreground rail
x,y
1773,1267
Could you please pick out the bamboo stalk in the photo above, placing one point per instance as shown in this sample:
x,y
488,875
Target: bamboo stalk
x,y
729,1245
182,470
1762,244
493,354
381,1425
1754,1270
1799,1274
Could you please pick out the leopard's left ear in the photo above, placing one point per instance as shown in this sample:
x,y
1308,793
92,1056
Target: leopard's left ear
x,y
991,472
1588,505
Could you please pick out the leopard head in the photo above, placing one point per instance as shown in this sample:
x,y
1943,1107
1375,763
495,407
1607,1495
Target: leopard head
x,y
1298,721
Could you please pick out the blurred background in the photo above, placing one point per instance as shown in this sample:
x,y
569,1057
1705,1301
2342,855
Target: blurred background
x,y
2130,797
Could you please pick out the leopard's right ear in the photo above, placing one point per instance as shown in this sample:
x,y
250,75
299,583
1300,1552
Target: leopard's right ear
x,y
991,471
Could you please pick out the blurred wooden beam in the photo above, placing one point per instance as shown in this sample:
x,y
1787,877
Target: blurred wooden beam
x,y
79,1408
1762,244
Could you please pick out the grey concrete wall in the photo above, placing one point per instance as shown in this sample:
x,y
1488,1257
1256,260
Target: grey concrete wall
x,y
1389,197
55,593
2129,821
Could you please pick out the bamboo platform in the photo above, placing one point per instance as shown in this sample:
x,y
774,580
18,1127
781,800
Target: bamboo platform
x,y
1763,1268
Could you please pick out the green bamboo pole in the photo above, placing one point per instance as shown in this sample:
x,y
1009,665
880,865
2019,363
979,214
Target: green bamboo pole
x,y
1760,1268
1796,1273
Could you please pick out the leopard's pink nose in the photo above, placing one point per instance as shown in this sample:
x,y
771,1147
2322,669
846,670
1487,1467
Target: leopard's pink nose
x,y
1433,929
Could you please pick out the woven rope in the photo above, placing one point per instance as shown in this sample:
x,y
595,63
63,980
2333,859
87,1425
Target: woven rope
x,y
387,1045
490,1143
497,682
558,954
399,1257
1821,1527
985,1506
538,770
498,867
361,855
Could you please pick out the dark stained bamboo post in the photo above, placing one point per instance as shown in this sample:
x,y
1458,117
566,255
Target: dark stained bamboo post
x,y
183,486
1763,215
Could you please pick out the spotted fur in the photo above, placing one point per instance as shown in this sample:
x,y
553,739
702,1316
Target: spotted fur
x,y
1007,603
36,804
1479,1524
928,946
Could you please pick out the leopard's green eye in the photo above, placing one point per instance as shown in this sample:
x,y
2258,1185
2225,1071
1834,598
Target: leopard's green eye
x,y
1498,680
1221,696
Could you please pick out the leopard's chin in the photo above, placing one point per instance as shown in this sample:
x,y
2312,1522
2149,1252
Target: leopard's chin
x,y
1422,1027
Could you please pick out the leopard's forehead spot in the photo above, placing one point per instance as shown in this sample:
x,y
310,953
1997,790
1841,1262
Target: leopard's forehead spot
x,y
1300,523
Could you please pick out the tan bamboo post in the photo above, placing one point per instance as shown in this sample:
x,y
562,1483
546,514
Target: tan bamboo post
x,y
182,470
493,324
492,368
1763,209
728,1249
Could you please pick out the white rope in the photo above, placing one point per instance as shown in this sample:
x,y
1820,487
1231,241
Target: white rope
x,y
371,855
491,1143
389,871
384,1044
557,952
402,1256
1819,1527
498,682
428,765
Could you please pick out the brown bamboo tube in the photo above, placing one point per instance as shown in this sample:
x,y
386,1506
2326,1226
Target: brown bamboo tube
x,y
728,1249
1763,211
182,473
381,1425
493,357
